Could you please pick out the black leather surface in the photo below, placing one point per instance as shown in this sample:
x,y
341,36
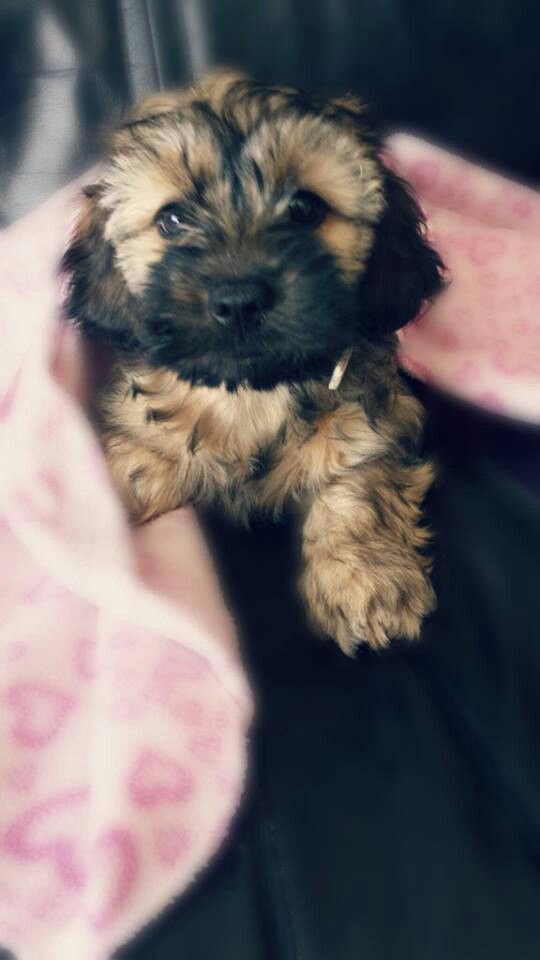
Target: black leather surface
x,y
394,805
467,74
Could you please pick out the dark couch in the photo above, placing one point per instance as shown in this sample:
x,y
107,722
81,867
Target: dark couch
x,y
393,808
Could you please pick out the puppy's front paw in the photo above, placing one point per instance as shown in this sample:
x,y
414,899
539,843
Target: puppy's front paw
x,y
367,603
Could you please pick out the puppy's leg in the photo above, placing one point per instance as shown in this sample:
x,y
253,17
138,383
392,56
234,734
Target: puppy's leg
x,y
365,580
147,483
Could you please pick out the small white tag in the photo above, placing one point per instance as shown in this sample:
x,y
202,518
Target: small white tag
x,y
339,369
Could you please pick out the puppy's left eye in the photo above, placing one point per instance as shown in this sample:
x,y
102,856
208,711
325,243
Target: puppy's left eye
x,y
307,209
169,220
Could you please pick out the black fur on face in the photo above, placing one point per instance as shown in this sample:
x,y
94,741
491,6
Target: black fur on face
x,y
247,234
310,321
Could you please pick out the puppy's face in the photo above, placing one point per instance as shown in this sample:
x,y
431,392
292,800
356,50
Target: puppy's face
x,y
246,234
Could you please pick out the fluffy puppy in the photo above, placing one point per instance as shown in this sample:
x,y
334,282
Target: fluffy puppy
x,y
249,257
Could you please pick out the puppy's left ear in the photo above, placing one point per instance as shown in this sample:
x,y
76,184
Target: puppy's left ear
x,y
403,269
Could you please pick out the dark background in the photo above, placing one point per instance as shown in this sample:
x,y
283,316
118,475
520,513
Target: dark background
x,y
462,72
393,808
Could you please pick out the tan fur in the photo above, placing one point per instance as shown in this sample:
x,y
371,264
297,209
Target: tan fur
x,y
342,456
364,576
364,580
349,243
149,171
347,178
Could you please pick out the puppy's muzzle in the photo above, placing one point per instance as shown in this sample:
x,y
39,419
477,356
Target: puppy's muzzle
x,y
241,303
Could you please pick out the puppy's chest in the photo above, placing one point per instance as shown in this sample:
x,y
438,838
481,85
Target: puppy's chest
x,y
254,445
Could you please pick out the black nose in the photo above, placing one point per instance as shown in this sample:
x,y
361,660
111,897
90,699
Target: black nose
x,y
241,301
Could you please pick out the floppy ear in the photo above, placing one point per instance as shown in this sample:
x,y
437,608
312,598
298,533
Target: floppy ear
x,y
403,269
97,299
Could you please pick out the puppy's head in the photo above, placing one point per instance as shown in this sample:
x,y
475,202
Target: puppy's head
x,y
247,234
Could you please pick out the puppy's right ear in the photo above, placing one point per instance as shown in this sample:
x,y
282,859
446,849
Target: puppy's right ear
x,y
97,297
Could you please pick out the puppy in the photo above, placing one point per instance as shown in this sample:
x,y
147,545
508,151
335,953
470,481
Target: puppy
x,y
250,258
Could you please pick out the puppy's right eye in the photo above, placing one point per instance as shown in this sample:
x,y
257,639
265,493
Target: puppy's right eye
x,y
169,220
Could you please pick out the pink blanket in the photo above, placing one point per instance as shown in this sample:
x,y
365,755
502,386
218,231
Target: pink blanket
x,y
123,705
481,340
